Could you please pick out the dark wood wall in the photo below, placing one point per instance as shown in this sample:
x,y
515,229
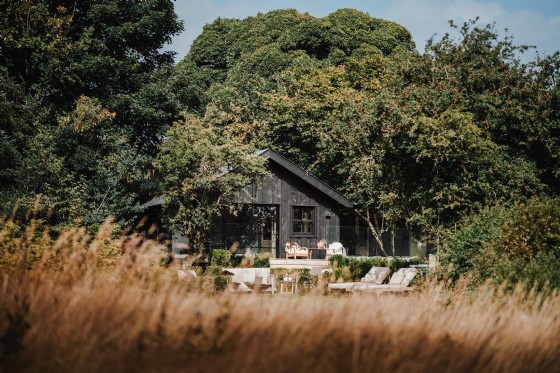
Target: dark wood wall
x,y
286,190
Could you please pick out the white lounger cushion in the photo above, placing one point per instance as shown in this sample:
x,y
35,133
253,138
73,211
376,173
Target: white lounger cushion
x,y
376,275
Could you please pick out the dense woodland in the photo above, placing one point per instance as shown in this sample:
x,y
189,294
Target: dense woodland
x,y
461,142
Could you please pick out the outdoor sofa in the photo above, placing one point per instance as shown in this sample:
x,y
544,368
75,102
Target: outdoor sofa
x,y
293,250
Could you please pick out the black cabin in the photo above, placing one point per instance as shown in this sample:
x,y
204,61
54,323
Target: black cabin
x,y
289,206
292,206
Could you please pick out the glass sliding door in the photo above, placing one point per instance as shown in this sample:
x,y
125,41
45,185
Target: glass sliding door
x,y
254,227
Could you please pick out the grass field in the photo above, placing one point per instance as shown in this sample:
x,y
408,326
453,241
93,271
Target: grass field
x,y
82,310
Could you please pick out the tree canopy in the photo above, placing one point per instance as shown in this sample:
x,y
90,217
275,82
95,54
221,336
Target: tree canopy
x,y
202,168
415,139
95,79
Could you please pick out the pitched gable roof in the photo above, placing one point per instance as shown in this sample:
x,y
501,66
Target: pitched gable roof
x,y
282,161
279,159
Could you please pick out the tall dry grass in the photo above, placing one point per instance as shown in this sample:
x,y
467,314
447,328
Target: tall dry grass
x,y
72,310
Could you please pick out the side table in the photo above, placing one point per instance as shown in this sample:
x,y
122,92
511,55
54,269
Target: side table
x,y
287,286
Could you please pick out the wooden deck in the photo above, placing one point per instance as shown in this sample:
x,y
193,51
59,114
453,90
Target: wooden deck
x,y
298,263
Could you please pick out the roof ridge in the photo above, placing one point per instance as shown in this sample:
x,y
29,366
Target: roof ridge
x,y
263,151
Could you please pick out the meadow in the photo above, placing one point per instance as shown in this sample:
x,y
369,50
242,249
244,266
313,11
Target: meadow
x,y
90,304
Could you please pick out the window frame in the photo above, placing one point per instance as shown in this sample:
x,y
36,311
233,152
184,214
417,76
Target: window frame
x,y
313,221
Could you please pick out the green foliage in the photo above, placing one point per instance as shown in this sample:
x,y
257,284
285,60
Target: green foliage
x,y
397,263
262,260
201,168
220,283
517,244
338,260
447,134
359,267
465,244
213,270
534,228
244,57
16,127
220,258
100,104
304,279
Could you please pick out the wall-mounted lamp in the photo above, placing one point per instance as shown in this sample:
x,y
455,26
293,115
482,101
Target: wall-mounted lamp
x,y
328,213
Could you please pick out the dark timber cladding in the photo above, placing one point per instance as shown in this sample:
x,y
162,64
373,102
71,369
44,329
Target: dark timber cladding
x,y
308,209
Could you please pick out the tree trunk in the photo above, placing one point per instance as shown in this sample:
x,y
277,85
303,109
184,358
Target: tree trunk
x,y
393,240
375,231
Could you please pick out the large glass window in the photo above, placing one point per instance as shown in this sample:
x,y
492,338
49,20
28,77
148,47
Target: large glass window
x,y
303,220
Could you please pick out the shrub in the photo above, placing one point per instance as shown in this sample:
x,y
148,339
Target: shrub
x,y
340,260
304,278
262,260
466,243
534,228
519,244
221,258
359,267
213,270
220,283
397,263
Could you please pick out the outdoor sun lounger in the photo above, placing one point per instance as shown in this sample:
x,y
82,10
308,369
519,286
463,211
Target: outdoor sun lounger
x,y
375,276
399,282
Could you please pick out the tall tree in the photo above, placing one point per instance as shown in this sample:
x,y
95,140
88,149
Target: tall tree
x,y
105,55
462,127
201,167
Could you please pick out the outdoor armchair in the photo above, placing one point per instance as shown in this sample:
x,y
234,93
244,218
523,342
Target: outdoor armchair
x,y
335,248
251,279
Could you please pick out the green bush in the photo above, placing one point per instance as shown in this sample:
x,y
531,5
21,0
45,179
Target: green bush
x,y
464,244
220,283
533,229
262,260
304,278
340,260
518,244
213,270
359,267
220,258
398,263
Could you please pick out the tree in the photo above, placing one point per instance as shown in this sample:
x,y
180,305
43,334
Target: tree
x,y
201,167
437,141
17,116
231,52
90,56
478,105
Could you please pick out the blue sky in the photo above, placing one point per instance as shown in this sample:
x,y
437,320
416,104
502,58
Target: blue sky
x,y
532,22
